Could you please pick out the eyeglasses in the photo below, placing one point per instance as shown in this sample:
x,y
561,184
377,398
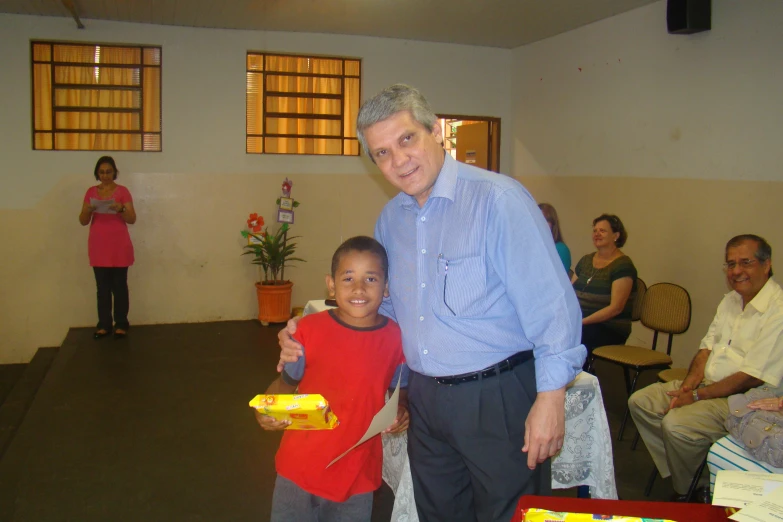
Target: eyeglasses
x,y
743,263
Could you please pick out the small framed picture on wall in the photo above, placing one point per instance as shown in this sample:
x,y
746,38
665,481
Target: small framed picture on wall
x,y
285,216
287,203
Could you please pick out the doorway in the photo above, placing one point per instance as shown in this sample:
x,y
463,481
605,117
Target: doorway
x,y
474,140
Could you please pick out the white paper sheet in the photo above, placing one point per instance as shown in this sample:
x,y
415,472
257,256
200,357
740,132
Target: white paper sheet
x,y
768,509
382,420
739,488
102,206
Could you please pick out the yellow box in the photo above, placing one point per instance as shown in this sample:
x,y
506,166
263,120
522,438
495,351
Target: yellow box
x,y
305,411
543,515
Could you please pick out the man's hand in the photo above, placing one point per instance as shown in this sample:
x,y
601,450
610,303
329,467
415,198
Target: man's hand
x,y
290,350
270,423
545,427
401,422
680,397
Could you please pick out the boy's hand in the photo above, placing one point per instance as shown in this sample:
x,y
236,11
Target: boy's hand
x,y
290,350
401,422
270,423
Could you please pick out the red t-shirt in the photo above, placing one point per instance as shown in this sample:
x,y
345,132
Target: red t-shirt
x,y
352,368
109,244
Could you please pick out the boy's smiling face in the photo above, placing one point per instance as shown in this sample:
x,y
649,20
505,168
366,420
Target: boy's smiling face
x,y
359,286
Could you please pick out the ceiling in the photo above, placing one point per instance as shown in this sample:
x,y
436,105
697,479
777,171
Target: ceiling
x,y
492,23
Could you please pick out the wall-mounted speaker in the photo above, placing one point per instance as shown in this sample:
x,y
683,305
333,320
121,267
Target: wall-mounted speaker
x,y
688,16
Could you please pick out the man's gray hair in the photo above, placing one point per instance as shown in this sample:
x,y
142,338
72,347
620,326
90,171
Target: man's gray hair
x,y
390,101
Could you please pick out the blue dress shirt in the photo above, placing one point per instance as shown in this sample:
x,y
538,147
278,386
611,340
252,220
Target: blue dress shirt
x,y
474,278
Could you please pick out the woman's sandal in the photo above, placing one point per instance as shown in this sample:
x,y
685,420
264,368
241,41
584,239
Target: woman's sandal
x,y
119,334
100,334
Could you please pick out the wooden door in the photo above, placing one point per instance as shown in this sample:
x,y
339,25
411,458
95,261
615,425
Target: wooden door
x,y
473,144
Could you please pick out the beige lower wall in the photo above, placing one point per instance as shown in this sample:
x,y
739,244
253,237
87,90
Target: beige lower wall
x,y
677,232
187,242
189,269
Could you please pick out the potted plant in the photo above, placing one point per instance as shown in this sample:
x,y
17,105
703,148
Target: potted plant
x,y
273,252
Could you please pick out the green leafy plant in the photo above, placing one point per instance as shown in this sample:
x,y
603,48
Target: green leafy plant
x,y
272,251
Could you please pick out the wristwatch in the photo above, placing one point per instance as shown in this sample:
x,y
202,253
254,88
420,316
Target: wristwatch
x,y
122,209
695,395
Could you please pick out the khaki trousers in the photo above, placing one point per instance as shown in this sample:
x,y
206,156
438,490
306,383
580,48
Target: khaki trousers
x,y
679,440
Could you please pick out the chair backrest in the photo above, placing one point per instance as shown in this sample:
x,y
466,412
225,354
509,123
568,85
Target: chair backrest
x,y
666,308
641,289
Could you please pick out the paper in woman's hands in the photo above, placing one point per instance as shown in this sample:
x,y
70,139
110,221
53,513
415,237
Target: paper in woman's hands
x,y
382,420
102,206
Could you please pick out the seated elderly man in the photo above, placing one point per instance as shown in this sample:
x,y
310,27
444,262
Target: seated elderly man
x,y
743,349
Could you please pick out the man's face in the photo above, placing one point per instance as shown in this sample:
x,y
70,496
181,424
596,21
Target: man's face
x,y
409,156
744,273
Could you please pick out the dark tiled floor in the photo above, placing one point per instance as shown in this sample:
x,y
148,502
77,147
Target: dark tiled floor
x,y
156,427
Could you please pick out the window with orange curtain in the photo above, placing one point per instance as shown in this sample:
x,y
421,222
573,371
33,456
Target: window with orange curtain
x,y
302,104
96,97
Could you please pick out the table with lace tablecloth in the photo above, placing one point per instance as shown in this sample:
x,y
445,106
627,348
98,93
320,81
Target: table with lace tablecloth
x,y
585,459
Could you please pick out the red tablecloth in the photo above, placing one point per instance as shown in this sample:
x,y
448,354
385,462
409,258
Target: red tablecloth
x,y
679,512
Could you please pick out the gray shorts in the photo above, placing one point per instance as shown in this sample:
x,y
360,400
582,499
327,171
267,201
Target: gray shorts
x,y
290,503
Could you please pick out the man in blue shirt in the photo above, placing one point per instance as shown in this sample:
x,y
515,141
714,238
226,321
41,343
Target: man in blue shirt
x,y
490,323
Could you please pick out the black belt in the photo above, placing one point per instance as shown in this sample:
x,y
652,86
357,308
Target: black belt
x,y
491,371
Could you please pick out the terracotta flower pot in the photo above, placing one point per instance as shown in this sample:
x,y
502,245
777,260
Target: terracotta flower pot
x,y
274,302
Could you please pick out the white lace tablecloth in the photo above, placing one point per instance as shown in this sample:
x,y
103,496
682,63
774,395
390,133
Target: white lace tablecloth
x,y
585,460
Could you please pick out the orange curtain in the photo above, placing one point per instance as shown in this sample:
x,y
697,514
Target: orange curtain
x,y
79,90
305,105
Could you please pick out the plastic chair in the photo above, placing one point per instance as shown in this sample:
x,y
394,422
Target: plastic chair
x,y
665,308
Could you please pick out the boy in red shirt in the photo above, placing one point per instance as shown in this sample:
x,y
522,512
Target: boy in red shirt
x,y
352,354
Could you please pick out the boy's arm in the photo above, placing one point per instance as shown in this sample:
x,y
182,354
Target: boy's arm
x,y
280,386
402,420
270,423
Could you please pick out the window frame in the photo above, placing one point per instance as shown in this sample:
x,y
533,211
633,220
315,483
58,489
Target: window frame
x,y
54,108
293,115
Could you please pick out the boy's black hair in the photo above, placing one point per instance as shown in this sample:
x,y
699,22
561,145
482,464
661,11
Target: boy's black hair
x,y
362,244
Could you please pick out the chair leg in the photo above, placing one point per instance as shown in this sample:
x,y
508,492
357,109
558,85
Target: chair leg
x,y
635,440
695,481
622,426
631,387
651,481
589,363
627,376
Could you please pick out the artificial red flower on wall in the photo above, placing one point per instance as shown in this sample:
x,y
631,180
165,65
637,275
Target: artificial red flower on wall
x,y
255,222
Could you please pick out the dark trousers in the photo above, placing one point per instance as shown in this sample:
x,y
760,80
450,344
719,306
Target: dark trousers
x,y
465,442
112,281
597,335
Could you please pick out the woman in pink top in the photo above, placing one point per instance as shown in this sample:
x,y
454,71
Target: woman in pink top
x,y
108,209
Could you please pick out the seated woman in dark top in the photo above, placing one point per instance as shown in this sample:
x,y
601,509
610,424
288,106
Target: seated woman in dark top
x,y
605,282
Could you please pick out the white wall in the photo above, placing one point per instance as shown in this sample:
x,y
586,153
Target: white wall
x,y
679,135
193,198
204,95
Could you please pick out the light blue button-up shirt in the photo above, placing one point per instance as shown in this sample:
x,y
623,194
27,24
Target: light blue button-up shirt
x,y
474,278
